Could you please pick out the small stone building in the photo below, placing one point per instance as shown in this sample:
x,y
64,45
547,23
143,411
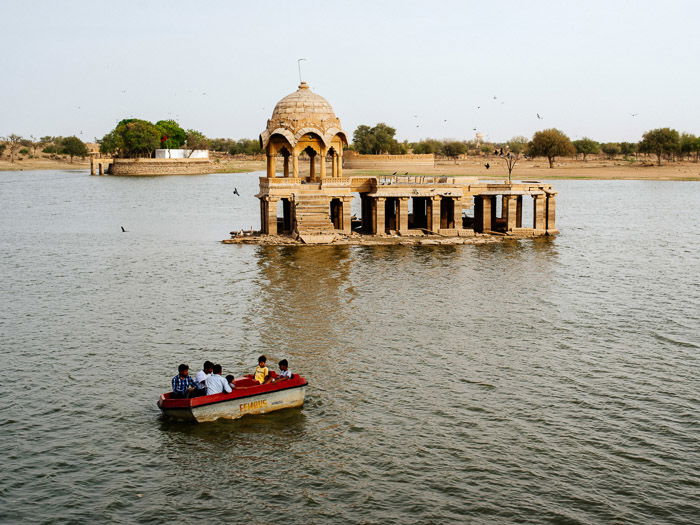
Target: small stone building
x,y
315,204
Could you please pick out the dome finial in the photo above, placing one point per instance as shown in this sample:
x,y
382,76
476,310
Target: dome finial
x,y
303,85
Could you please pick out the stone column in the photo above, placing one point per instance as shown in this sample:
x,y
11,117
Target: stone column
x,y
92,165
270,166
339,168
458,213
519,212
379,221
334,165
312,167
551,213
295,165
322,160
347,214
403,215
271,215
539,205
510,206
286,165
488,209
263,215
101,169
434,216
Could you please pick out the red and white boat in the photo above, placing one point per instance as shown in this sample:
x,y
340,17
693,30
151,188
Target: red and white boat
x,y
249,397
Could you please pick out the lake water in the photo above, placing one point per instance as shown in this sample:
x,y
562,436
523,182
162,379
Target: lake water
x,y
536,381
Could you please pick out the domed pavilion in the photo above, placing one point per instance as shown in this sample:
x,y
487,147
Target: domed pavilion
x,y
306,196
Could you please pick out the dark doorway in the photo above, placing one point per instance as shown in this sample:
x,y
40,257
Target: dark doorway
x,y
391,214
337,213
419,218
284,223
447,213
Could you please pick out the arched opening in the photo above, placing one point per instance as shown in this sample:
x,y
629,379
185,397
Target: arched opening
x,y
311,153
285,155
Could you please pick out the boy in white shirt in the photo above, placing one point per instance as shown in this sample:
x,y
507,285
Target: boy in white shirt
x,y
217,384
284,373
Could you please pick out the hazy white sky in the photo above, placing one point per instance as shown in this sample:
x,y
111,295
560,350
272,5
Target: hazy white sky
x,y
78,67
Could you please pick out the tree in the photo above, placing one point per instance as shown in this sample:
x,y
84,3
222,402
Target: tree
x,y
660,141
172,135
611,149
196,140
132,138
517,145
453,149
427,146
374,141
245,147
510,159
13,141
74,147
689,144
2,148
628,148
586,146
550,143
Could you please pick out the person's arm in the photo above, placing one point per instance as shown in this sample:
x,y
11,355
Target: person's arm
x,y
227,387
173,382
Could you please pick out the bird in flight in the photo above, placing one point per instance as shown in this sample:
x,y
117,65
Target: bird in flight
x,y
123,230
538,116
634,114
235,192
487,165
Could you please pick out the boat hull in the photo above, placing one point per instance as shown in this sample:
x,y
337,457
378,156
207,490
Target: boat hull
x,y
259,399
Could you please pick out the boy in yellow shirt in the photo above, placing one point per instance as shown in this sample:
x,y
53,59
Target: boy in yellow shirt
x,y
262,373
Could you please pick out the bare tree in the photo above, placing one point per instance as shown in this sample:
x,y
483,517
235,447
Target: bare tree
x,y
510,158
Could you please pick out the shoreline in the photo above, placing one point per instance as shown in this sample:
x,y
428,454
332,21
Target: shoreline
x,y
566,169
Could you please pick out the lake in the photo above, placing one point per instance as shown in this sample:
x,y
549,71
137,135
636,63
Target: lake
x,y
533,381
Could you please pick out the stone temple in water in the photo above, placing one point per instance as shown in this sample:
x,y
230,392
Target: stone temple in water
x,y
306,197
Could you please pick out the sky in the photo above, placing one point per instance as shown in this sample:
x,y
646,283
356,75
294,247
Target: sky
x,y
609,70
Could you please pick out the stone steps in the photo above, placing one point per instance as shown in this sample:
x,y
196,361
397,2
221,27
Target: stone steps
x,y
312,213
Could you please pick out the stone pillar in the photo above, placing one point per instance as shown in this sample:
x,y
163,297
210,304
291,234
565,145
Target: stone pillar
x,y
295,165
434,216
263,215
510,207
551,213
519,212
286,165
402,219
488,209
538,211
322,160
271,216
312,167
92,165
458,213
334,165
270,166
379,221
101,169
347,214
339,168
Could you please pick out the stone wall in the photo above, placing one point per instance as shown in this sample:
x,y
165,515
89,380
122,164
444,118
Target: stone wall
x,y
138,167
353,160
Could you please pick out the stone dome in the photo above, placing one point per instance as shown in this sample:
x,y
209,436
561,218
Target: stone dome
x,y
303,104
302,112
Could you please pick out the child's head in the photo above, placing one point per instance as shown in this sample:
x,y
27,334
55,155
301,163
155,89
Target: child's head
x,y
217,369
262,360
183,370
284,364
229,378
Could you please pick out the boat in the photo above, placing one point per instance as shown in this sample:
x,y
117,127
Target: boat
x,y
248,397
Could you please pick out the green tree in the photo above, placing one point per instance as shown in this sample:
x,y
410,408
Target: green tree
x,y
689,144
586,146
427,146
517,145
131,138
611,149
550,143
374,141
628,148
2,148
245,147
172,135
196,140
660,141
453,149
74,147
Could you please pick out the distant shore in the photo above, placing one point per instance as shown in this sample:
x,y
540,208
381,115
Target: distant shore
x,y
597,169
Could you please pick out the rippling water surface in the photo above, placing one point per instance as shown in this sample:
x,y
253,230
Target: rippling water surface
x,y
545,381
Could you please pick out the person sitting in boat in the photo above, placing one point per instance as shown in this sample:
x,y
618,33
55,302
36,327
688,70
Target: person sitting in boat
x,y
183,384
229,380
262,373
202,375
285,372
215,383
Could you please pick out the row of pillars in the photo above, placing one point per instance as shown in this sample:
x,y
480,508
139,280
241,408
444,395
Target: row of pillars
x,y
339,209
544,212
336,165
100,167
432,213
